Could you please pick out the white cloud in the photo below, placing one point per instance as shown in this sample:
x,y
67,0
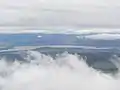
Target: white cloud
x,y
60,13
62,30
104,36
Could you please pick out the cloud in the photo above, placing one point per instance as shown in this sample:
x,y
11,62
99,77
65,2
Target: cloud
x,y
103,37
59,13
60,30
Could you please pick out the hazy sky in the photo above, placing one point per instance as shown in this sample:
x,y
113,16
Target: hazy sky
x,y
60,13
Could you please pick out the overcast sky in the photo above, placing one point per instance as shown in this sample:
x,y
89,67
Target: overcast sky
x,y
60,13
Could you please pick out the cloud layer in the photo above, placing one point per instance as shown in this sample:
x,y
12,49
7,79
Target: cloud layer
x,y
104,37
59,13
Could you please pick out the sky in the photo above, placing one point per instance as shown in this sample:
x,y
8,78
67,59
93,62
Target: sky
x,y
45,14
